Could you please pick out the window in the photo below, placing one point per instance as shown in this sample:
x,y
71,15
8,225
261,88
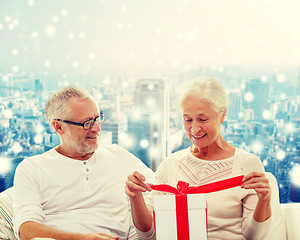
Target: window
x,y
133,57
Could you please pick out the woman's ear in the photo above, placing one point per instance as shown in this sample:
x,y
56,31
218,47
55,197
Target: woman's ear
x,y
57,126
223,115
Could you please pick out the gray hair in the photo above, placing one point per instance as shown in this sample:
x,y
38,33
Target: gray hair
x,y
57,105
206,88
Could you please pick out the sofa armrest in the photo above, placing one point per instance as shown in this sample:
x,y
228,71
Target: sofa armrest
x,y
278,228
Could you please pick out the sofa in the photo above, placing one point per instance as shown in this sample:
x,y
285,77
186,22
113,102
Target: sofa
x,y
284,226
6,213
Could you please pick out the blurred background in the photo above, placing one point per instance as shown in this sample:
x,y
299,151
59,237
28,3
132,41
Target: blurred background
x,y
133,56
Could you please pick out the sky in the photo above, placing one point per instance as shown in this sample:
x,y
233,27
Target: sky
x,y
90,39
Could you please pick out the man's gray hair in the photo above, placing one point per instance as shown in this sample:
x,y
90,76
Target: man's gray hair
x,y
57,106
207,88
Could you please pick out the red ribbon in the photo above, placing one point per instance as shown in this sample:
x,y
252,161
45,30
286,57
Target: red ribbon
x,y
181,199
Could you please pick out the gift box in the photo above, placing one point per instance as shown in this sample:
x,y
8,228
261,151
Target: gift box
x,y
180,217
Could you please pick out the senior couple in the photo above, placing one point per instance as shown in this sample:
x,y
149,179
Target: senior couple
x,y
76,190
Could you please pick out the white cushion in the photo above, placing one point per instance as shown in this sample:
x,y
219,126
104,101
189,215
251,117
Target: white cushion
x,y
6,212
292,213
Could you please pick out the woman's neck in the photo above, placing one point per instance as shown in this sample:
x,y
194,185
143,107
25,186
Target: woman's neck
x,y
213,151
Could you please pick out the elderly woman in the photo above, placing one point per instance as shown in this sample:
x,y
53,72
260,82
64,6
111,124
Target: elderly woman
x,y
237,213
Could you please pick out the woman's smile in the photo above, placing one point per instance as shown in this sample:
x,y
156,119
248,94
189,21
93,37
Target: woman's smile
x,y
198,136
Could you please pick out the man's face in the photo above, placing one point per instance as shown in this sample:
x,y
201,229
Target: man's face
x,y
76,140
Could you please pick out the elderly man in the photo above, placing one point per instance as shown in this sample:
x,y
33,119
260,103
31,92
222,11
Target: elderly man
x,y
75,190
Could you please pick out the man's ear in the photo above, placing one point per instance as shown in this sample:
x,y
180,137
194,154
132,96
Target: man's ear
x,y
57,126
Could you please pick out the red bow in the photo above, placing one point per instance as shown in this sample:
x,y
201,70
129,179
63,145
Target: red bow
x,y
183,187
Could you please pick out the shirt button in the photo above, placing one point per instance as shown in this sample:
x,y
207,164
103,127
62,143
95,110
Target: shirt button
x,y
84,163
87,178
87,170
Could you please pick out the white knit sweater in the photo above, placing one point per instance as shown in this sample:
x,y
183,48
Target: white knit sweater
x,y
229,212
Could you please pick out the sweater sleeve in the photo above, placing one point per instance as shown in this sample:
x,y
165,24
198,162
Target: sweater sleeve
x,y
252,229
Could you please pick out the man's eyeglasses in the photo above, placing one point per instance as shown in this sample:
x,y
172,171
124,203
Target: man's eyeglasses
x,y
87,124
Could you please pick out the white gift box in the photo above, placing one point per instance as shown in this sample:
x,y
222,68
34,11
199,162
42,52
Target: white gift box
x,y
166,220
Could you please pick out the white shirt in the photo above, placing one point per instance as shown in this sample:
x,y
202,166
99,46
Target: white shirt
x,y
76,196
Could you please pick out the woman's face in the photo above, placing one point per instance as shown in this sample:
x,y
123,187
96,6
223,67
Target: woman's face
x,y
201,122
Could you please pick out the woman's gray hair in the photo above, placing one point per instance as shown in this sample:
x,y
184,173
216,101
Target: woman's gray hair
x,y
207,88
57,106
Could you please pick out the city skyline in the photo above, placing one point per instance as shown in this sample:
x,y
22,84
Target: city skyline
x,y
269,130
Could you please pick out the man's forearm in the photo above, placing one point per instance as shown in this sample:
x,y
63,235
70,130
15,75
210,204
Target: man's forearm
x,y
29,230
142,218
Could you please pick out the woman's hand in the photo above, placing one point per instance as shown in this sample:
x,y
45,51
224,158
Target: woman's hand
x,y
135,184
260,183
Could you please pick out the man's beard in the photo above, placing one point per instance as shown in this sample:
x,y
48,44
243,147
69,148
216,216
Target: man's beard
x,y
80,144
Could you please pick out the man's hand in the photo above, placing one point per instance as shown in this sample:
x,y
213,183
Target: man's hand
x,y
135,184
100,236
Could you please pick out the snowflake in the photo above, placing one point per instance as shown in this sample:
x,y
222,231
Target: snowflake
x,y
17,148
280,78
5,164
47,63
249,97
295,175
280,154
31,2
144,143
267,115
50,30
15,51
38,139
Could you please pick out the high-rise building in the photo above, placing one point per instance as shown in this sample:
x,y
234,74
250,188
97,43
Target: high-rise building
x,y
151,130
114,120
258,92
116,127
234,104
138,140
39,89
